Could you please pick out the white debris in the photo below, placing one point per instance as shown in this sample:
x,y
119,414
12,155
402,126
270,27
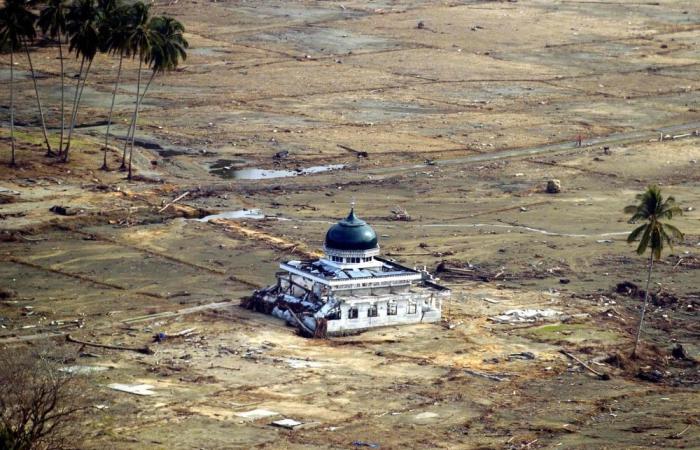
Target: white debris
x,y
302,363
238,214
82,370
257,414
525,315
426,415
287,423
138,389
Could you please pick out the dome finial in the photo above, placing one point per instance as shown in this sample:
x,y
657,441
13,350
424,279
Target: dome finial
x,y
352,216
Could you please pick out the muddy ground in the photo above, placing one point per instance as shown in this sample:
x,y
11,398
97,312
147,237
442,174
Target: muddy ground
x,y
463,120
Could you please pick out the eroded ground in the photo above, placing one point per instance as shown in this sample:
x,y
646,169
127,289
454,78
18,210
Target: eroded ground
x,y
493,95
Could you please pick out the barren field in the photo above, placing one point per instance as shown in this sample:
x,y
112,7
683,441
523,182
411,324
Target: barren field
x,y
463,119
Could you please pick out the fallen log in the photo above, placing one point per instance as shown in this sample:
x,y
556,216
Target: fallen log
x,y
144,350
358,153
485,375
180,197
602,376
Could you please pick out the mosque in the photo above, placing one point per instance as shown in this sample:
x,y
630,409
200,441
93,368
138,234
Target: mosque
x,y
351,288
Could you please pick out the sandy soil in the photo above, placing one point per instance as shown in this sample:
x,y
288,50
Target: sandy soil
x,y
464,120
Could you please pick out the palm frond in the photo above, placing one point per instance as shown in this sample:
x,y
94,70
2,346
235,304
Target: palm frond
x,y
644,242
676,234
634,235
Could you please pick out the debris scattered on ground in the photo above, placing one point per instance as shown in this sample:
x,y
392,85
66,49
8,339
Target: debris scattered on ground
x,y
177,199
145,350
493,377
522,355
302,363
400,213
426,415
553,186
365,444
526,315
652,375
602,376
64,210
162,336
256,414
83,370
679,352
136,389
290,424
281,154
615,360
358,153
627,288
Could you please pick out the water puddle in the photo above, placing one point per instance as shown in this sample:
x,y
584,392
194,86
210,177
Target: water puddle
x,y
249,173
238,214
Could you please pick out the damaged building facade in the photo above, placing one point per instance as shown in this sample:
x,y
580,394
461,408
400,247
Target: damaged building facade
x,y
351,288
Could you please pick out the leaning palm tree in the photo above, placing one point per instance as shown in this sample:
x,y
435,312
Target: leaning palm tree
x,y
168,48
83,32
652,235
16,24
139,41
116,28
52,22
29,35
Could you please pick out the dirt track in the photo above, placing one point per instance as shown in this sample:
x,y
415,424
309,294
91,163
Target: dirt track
x,y
463,121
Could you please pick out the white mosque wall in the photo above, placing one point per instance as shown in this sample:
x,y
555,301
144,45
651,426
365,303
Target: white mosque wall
x,y
410,308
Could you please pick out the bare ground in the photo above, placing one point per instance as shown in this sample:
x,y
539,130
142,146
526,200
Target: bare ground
x,y
494,94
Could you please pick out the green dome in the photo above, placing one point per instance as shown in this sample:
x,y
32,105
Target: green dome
x,y
351,233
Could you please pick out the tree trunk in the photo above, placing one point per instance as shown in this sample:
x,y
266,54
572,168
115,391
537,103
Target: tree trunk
x,y
111,109
644,306
135,118
72,116
132,126
63,118
150,80
13,163
77,108
38,100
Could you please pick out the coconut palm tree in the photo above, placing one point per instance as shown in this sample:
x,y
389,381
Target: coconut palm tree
x,y
29,35
17,30
168,48
140,40
653,234
83,31
52,22
116,28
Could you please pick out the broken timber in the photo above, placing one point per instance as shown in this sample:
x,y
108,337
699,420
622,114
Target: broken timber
x,y
144,350
602,376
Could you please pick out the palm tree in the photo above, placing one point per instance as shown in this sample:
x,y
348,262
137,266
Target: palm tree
x,y
82,27
139,41
29,35
116,28
52,22
16,29
653,234
168,48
